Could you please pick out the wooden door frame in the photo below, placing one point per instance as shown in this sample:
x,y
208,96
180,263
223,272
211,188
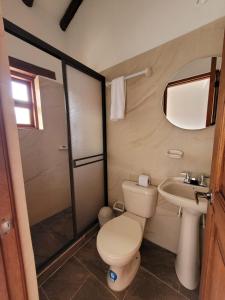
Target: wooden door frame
x,y
216,173
10,245
13,280
218,148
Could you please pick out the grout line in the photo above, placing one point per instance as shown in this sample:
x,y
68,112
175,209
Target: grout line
x,y
56,270
146,270
44,292
126,292
169,286
99,281
85,243
72,256
72,297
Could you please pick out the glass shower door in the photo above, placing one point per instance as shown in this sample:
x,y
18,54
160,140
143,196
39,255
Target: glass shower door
x,y
87,146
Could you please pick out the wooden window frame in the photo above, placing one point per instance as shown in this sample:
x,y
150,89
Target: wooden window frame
x,y
23,66
31,104
27,72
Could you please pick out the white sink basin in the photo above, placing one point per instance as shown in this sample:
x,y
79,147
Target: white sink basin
x,y
187,264
177,192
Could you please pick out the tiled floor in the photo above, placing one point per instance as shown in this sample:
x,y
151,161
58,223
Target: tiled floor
x,y
83,277
53,232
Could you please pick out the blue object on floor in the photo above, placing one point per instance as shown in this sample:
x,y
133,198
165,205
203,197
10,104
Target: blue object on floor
x,y
112,275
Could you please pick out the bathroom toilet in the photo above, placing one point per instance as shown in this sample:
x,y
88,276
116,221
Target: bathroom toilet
x,y
119,240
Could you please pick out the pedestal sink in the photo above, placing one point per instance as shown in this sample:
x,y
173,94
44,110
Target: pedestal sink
x,y
177,192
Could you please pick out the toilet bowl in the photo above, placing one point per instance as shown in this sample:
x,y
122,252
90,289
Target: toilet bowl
x,y
119,240
118,244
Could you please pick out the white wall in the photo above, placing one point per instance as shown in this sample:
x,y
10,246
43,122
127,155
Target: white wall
x,y
38,20
24,51
106,32
139,143
45,167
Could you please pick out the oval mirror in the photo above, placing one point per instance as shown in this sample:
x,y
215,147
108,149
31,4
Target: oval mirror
x,y
190,98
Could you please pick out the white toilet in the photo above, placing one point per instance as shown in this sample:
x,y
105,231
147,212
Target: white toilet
x,y
119,240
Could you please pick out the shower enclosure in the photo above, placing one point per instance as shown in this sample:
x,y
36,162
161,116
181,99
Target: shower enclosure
x,y
86,111
65,162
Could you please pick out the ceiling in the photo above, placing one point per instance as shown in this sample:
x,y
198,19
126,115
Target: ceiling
x,y
55,8
106,32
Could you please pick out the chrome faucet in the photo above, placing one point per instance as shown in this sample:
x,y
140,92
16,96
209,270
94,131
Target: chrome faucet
x,y
187,178
202,180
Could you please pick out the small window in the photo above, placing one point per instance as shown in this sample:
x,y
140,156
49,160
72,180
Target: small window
x,y
23,93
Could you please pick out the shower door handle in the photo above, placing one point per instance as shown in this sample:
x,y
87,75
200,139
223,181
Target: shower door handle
x,y
63,147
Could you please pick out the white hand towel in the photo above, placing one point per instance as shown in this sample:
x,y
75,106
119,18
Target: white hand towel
x,y
118,99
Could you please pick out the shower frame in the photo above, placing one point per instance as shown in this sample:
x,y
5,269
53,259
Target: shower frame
x,y
67,60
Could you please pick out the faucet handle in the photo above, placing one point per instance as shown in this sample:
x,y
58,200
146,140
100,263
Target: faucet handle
x,y
202,180
187,175
204,176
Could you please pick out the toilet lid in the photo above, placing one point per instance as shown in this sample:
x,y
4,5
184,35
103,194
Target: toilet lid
x,y
119,237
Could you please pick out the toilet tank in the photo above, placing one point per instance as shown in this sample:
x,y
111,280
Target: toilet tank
x,y
139,200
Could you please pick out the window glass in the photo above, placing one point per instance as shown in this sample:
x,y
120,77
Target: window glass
x,y
22,115
23,94
20,91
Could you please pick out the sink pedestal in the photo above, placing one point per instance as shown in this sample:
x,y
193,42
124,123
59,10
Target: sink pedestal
x,y
177,192
187,263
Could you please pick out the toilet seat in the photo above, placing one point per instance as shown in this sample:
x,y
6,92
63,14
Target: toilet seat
x,y
119,240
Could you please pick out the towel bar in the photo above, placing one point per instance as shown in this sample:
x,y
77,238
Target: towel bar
x,y
147,72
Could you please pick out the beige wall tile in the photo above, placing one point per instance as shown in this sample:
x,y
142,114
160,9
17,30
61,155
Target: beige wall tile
x,y
138,144
45,167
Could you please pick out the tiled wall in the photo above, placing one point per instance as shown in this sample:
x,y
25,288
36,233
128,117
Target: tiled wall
x,y
139,143
45,167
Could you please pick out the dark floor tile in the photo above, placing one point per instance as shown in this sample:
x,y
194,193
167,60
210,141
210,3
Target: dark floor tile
x,y
89,256
42,295
66,281
85,275
147,287
61,224
93,290
160,262
39,260
45,244
192,295
53,232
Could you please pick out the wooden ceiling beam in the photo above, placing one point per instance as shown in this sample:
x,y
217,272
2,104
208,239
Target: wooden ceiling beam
x,y
69,13
28,2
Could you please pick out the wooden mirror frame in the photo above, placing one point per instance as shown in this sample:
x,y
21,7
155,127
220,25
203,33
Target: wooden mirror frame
x,y
214,76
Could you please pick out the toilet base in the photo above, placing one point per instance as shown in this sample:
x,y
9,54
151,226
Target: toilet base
x,y
119,278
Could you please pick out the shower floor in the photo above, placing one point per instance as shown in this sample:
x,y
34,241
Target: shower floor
x,y
51,235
